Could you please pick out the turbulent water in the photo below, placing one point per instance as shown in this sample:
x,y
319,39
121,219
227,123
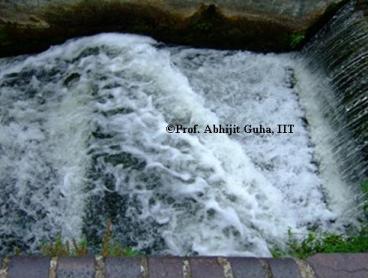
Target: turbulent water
x,y
83,140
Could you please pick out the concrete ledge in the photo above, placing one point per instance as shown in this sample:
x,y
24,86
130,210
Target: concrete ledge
x,y
123,267
81,267
248,268
29,267
318,266
284,268
340,265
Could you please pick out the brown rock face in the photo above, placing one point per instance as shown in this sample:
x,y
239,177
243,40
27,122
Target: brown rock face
x,y
268,25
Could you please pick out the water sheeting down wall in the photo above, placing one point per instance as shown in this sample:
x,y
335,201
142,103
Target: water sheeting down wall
x,y
338,57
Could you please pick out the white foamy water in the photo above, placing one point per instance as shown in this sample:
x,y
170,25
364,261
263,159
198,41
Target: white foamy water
x,y
83,140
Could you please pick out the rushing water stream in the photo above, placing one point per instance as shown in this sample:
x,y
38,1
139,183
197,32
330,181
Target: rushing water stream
x,y
83,139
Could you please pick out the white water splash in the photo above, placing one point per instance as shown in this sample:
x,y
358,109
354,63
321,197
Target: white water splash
x,y
87,120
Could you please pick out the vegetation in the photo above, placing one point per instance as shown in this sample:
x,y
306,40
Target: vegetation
x,y
59,248
109,247
113,248
328,242
296,39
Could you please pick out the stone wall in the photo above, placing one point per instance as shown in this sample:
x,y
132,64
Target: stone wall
x,y
270,25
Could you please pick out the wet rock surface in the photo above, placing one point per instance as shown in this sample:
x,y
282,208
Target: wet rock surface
x,y
31,26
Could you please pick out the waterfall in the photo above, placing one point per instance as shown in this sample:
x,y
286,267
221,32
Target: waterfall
x,y
83,139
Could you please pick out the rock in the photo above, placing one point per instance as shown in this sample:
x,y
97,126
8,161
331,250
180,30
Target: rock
x,y
270,25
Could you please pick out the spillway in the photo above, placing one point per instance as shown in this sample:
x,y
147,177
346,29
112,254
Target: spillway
x,y
84,141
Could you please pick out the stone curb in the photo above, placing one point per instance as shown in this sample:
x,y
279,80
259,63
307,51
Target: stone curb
x,y
318,266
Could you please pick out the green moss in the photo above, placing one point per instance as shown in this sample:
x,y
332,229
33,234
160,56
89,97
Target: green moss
x,y
296,39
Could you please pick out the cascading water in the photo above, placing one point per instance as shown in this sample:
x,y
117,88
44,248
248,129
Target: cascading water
x,y
83,139
338,59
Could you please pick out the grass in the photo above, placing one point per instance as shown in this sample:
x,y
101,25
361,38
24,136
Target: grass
x,y
60,248
325,243
109,247
355,242
113,248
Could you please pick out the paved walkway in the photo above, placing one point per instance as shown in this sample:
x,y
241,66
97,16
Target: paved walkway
x,y
318,266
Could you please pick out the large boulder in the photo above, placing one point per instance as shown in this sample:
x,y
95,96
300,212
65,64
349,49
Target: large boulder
x,y
268,25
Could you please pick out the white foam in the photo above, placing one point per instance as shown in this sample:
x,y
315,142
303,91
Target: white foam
x,y
203,193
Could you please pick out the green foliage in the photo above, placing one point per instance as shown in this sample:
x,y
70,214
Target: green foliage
x,y
296,39
325,243
109,247
64,248
328,242
113,248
